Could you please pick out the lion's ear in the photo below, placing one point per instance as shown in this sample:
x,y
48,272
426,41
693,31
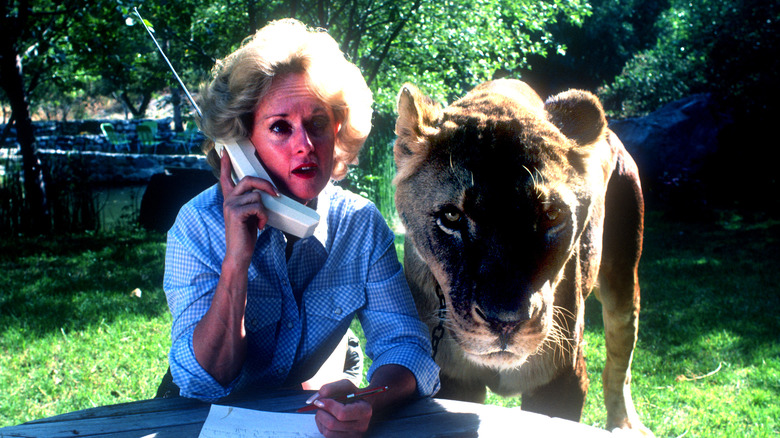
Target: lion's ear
x,y
417,117
578,115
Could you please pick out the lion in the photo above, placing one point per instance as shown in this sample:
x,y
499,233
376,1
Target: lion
x,y
513,209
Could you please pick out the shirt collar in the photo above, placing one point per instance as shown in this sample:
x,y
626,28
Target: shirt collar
x,y
323,207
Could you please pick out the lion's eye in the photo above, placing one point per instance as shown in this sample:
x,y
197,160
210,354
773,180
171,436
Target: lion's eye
x,y
450,218
552,217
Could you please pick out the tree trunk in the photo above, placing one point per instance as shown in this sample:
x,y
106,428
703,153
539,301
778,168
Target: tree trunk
x,y
36,216
176,103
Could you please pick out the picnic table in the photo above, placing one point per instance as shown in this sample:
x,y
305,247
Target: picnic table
x,y
182,417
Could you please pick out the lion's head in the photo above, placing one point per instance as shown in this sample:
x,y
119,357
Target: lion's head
x,y
494,193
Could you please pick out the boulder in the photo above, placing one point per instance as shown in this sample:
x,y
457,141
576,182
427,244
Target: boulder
x,y
674,143
167,192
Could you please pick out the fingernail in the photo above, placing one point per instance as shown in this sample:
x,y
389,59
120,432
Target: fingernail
x,y
315,396
319,404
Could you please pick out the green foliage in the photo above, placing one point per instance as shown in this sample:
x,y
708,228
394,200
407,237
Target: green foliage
x,y
719,46
455,45
597,47
648,81
372,176
447,46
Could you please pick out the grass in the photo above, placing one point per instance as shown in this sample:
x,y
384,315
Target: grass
x,y
73,331
707,361
73,335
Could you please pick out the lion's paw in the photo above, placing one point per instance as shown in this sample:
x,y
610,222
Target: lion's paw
x,y
633,432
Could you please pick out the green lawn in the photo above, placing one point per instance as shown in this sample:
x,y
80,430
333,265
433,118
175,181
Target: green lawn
x,y
73,334
708,357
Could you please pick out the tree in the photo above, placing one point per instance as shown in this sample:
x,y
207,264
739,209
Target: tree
x,y
29,32
719,46
597,47
446,47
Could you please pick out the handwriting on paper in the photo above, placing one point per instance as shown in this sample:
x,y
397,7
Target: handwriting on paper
x,y
230,422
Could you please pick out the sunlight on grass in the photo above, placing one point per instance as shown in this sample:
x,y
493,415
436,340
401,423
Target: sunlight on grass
x,y
707,362
99,365
709,299
73,334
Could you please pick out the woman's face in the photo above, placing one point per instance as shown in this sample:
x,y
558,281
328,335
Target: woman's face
x,y
294,135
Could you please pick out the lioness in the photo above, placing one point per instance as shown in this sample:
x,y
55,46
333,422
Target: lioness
x,y
513,207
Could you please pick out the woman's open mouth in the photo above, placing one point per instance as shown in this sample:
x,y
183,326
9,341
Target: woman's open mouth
x,y
306,171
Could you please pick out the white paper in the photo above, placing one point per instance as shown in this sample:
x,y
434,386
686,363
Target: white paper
x,y
230,422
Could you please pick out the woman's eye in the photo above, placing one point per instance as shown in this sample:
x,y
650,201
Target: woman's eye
x,y
318,125
280,127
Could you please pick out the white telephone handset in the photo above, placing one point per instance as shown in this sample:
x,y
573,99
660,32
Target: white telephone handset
x,y
284,213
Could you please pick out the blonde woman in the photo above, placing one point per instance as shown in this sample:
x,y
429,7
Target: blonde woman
x,y
254,308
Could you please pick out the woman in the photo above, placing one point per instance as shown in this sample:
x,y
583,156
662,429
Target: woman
x,y
254,308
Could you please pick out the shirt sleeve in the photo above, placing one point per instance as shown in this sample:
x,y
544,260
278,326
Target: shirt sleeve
x,y
394,332
190,279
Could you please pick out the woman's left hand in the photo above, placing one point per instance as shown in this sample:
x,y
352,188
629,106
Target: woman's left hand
x,y
336,419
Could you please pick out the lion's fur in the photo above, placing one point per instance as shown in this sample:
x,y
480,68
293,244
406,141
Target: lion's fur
x,y
505,198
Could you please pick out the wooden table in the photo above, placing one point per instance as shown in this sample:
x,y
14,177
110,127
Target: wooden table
x,y
181,417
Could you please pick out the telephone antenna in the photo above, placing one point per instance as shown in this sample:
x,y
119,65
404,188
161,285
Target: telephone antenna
x,y
184,87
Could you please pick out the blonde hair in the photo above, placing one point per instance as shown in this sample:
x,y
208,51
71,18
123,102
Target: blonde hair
x,y
244,77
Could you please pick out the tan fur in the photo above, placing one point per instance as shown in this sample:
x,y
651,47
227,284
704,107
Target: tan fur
x,y
513,207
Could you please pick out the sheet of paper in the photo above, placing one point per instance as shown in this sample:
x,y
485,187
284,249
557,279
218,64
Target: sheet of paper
x,y
230,422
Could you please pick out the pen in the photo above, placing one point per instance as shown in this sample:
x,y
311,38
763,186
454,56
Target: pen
x,y
350,397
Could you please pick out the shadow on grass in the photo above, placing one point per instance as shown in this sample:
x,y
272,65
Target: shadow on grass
x,y
710,293
71,282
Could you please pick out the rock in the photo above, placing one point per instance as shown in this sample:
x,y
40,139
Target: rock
x,y
674,142
167,192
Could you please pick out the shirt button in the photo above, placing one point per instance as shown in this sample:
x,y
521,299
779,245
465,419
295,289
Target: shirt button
x,y
289,325
337,311
253,322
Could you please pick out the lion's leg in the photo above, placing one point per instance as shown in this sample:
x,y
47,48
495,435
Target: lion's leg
x,y
564,396
620,328
455,389
619,291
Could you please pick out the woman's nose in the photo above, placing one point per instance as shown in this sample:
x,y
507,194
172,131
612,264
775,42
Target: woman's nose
x,y
303,143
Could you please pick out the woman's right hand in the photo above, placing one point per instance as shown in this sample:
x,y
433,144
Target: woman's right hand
x,y
219,339
244,213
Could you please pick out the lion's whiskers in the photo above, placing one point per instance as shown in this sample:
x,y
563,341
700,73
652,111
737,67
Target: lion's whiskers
x,y
556,340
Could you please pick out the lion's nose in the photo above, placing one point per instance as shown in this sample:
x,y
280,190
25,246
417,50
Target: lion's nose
x,y
502,317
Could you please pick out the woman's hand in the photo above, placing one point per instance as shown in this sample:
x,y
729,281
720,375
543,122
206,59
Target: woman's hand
x,y
244,214
219,339
335,419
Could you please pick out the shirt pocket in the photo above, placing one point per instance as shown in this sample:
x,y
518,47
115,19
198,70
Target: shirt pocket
x,y
263,310
335,303
329,313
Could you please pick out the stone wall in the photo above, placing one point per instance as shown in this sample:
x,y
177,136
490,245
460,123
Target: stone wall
x,y
85,135
115,168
